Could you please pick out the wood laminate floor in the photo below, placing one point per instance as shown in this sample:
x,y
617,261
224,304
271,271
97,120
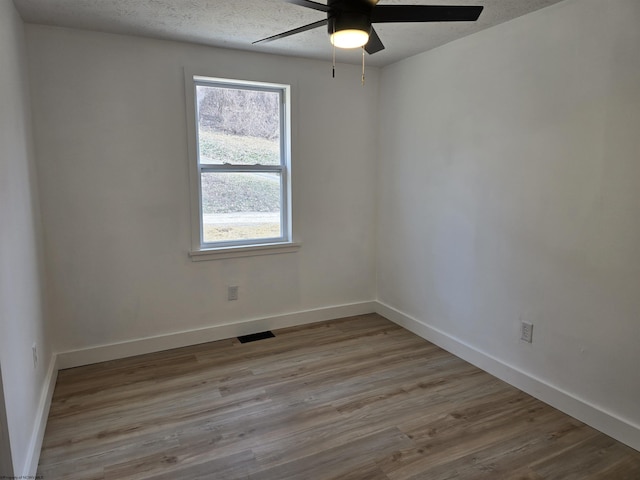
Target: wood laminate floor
x,y
358,398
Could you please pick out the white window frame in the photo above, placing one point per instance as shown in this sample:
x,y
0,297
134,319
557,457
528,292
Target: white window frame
x,y
201,250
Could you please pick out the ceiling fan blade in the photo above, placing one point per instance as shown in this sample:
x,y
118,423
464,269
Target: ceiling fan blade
x,y
374,44
288,33
425,13
306,3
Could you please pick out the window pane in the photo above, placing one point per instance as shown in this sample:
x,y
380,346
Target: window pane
x,y
240,206
238,126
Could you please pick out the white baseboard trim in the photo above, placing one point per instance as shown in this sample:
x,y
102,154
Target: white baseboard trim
x,y
102,353
35,445
609,423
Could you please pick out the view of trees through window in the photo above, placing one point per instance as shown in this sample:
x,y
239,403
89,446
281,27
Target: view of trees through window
x,y
239,127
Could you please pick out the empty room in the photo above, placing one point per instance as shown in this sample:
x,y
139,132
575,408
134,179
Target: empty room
x,y
329,239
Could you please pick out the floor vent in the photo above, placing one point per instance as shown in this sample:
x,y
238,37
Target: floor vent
x,y
256,336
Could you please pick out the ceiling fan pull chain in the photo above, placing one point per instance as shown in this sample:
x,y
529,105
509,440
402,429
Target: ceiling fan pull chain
x,y
334,61
334,52
363,65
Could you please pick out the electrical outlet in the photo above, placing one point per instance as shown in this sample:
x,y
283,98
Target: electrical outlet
x,y
232,293
34,352
526,332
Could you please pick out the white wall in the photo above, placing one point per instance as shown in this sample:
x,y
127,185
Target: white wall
x,y
21,267
509,189
112,160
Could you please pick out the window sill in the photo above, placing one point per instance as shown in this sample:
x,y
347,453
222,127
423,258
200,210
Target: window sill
x,y
248,251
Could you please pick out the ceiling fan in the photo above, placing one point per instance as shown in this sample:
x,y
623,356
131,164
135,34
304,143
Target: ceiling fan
x,y
350,21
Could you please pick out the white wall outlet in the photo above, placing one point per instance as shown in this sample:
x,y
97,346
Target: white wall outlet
x,y
34,352
526,332
232,292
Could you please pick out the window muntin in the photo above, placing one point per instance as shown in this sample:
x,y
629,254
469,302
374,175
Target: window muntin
x,y
242,137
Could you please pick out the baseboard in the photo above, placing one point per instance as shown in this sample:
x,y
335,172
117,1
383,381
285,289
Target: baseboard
x,y
35,445
101,353
619,428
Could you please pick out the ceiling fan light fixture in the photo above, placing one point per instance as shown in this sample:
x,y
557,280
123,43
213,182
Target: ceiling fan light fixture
x,y
349,38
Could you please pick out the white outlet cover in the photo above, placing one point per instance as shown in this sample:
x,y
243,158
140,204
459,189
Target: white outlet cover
x,y
526,332
232,293
34,351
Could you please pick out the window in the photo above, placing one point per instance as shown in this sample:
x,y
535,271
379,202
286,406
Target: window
x,y
240,164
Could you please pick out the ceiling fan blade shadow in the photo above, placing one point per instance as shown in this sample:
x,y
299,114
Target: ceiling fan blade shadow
x,y
288,33
425,13
306,3
374,44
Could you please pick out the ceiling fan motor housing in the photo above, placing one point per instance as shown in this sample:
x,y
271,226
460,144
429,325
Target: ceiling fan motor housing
x,y
349,15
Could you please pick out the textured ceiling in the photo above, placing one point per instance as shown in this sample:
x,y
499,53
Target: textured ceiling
x,y
237,23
